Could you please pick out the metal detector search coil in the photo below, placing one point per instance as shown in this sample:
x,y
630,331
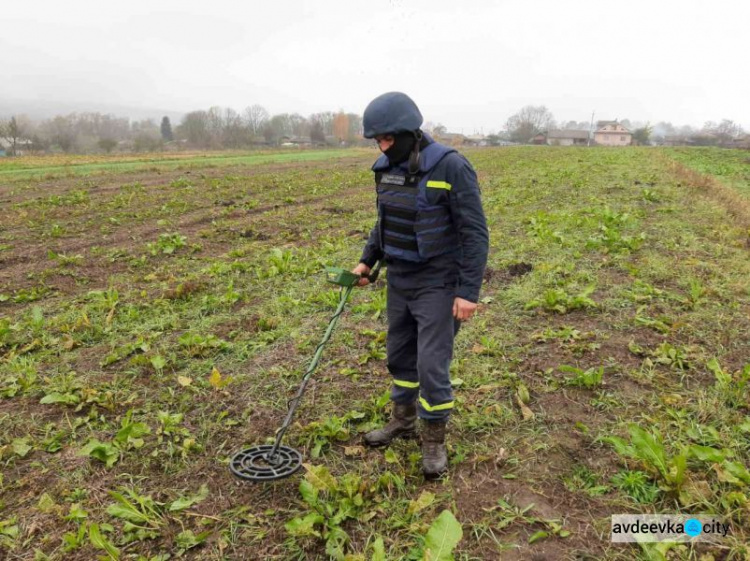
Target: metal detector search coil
x,y
254,464
273,461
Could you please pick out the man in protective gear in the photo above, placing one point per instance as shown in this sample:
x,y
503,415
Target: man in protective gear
x,y
432,234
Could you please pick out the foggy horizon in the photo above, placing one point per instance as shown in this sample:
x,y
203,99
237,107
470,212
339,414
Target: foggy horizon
x,y
675,62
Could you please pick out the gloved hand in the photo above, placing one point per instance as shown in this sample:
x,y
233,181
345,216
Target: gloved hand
x,y
363,270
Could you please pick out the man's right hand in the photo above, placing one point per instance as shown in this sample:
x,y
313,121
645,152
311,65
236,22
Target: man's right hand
x,y
362,269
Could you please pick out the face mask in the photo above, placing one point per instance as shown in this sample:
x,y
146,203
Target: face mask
x,y
402,146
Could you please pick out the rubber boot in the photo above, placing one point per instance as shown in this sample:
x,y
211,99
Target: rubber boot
x,y
402,425
434,454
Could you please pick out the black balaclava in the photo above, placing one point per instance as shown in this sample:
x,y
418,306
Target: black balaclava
x,y
402,147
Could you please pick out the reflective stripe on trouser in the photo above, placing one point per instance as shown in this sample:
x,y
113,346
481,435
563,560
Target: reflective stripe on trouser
x,y
421,329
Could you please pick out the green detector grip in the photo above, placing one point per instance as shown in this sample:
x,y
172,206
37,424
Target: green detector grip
x,y
342,277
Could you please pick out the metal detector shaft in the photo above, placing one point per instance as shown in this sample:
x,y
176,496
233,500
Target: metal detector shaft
x,y
295,401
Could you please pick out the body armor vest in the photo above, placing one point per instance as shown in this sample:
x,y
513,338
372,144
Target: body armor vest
x,y
412,228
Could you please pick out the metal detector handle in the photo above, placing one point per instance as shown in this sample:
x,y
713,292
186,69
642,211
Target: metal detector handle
x,y
373,276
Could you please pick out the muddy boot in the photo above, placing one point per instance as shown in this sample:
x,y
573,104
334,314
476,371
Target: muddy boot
x,y
434,455
402,425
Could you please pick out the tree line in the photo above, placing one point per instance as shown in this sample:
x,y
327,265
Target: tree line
x,y
220,128
531,120
215,128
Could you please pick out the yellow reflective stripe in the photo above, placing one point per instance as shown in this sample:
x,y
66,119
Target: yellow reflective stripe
x,y
439,184
441,407
405,384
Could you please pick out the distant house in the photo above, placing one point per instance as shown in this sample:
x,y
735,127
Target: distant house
x,y
741,142
540,138
612,133
295,141
568,138
23,146
476,140
451,138
674,140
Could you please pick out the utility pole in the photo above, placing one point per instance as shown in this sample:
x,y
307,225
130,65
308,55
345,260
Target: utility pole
x,y
591,128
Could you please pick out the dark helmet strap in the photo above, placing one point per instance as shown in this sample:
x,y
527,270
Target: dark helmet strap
x,y
414,156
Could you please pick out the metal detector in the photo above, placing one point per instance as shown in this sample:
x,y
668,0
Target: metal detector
x,y
268,462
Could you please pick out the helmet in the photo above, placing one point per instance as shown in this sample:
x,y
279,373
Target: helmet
x,y
391,113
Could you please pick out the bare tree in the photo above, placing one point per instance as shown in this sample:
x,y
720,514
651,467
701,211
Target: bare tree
x,y
12,131
642,135
278,126
61,132
194,129
299,126
355,131
107,144
234,133
317,134
326,121
528,122
256,118
215,121
728,130
146,135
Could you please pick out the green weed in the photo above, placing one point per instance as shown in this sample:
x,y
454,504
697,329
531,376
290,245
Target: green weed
x,y
560,301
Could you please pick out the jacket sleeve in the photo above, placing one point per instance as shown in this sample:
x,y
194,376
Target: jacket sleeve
x,y
468,217
372,252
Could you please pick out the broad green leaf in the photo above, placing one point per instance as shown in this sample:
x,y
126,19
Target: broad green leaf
x,y
536,536
99,541
378,550
127,510
21,447
320,478
188,540
422,502
101,451
707,454
186,502
722,378
336,541
158,362
523,393
46,504
442,537
391,457
65,398
9,528
218,381
309,492
620,446
132,431
301,527
649,448
677,470
76,513
738,471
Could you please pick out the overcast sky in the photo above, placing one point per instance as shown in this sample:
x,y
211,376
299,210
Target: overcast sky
x,y
468,65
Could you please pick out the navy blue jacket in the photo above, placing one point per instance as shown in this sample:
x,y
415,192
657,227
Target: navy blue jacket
x,y
463,199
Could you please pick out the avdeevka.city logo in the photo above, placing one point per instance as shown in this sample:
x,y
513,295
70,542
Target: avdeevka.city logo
x,y
638,528
693,527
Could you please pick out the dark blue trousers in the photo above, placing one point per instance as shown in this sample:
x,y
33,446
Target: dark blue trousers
x,y
421,329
